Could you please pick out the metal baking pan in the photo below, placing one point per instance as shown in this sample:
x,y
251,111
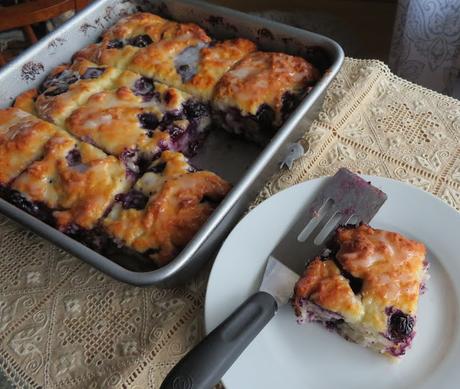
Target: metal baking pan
x,y
245,165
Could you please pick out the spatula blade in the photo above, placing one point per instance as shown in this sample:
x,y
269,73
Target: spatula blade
x,y
345,195
278,280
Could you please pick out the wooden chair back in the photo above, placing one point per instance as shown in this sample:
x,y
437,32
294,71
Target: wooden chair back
x,y
25,14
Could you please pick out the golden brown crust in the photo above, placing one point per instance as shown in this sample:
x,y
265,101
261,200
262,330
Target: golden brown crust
x,y
323,284
156,28
214,62
263,78
56,108
79,193
184,31
26,101
390,266
178,211
110,121
22,139
174,213
136,24
169,98
157,60
100,54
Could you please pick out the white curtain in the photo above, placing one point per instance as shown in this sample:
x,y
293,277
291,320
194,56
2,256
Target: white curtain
x,y
426,44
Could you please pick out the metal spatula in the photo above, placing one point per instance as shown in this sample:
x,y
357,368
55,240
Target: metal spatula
x,y
345,197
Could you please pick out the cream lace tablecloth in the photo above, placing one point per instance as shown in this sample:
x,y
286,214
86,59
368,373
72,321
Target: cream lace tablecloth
x,y
65,325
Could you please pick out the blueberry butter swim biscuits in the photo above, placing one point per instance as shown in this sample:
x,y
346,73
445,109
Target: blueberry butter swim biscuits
x,y
66,88
140,118
120,42
22,140
183,116
192,65
366,288
71,186
134,33
256,95
166,207
99,150
157,61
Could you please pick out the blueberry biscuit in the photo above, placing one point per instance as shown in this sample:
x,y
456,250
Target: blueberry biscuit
x,y
22,140
165,208
194,66
257,95
140,118
134,33
366,288
120,42
66,88
72,186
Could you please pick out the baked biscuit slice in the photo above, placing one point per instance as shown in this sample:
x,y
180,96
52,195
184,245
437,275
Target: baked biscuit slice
x,y
132,34
22,140
120,42
72,186
174,103
192,66
140,119
257,95
166,207
66,88
366,288
134,27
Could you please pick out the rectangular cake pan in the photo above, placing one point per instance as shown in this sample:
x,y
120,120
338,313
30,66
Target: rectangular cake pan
x,y
245,165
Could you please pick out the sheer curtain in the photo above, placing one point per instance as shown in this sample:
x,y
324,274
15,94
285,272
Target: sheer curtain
x,y
426,44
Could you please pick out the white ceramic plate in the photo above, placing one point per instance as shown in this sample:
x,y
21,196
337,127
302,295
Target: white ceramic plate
x,y
288,355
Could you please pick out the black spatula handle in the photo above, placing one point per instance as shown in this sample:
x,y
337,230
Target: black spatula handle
x,y
205,365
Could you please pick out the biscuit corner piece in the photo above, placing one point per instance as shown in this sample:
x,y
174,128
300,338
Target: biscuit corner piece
x,y
366,287
256,96
66,88
121,41
22,140
141,118
165,208
72,186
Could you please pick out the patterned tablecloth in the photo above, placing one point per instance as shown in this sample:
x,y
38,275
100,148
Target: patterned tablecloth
x,y
64,324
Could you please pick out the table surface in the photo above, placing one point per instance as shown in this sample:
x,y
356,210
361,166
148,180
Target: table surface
x,y
4,383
